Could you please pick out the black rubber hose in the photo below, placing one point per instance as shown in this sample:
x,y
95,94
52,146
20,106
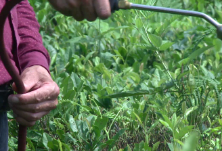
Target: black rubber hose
x,y
114,5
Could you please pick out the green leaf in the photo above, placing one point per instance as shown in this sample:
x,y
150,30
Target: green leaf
x,y
138,118
116,137
174,121
53,145
165,124
183,131
218,45
165,46
101,122
142,147
72,124
170,145
77,82
194,55
155,40
191,142
156,145
190,110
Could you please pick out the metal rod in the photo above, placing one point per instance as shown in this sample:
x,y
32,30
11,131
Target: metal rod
x,y
176,11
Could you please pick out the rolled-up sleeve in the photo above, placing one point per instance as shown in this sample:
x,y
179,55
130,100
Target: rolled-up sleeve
x,y
30,48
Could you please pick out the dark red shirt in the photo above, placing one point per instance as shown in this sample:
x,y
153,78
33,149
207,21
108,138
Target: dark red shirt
x,y
22,40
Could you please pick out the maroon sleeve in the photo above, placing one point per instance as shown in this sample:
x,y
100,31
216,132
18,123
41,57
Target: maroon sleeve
x,y
30,49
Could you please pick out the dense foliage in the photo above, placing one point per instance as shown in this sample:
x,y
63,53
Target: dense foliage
x,y
137,81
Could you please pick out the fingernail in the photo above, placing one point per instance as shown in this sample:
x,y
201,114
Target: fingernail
x,y
15,99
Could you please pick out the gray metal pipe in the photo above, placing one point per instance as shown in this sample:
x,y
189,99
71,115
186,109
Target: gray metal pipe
x,y
124,4
176,11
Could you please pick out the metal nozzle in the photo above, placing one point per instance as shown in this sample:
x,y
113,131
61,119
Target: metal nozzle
x,y
124,4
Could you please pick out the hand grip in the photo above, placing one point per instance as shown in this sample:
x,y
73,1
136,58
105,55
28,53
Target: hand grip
x,y
114,5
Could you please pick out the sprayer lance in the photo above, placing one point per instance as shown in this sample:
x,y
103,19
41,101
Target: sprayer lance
x,y
124,4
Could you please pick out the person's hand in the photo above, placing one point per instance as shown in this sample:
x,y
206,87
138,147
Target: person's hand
x,y
83,9
40,97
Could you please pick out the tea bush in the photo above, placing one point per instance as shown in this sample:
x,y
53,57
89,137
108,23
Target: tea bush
x,y
138,81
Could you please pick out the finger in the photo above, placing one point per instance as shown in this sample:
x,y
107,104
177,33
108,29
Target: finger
x,y
29,117
77,14
33,81
61,6
23,122
36,108
74,8
103,9
46,92
88,10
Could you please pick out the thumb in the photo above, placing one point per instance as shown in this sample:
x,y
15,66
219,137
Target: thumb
x,y
29,80
28,87
33,77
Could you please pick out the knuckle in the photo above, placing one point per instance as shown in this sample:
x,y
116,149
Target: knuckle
x,y
36,109
34,117
47,106
38,96
53,92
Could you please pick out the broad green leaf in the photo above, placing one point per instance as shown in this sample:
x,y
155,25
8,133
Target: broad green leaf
x,y
77,82
101,122
72,124
171,147
155,40
165,124
178,141
194,55
183,131
45,139
165,46
75,40
53,145
155,146
166,118
218,45
83,129
191,142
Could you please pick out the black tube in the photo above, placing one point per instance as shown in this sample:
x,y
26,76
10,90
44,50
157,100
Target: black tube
x,y
114,5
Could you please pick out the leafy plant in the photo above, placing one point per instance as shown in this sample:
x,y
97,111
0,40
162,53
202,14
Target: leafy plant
x,y
137,81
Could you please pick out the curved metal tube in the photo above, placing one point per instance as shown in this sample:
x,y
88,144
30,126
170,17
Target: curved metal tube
x,y
10,68
177,11
124,4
